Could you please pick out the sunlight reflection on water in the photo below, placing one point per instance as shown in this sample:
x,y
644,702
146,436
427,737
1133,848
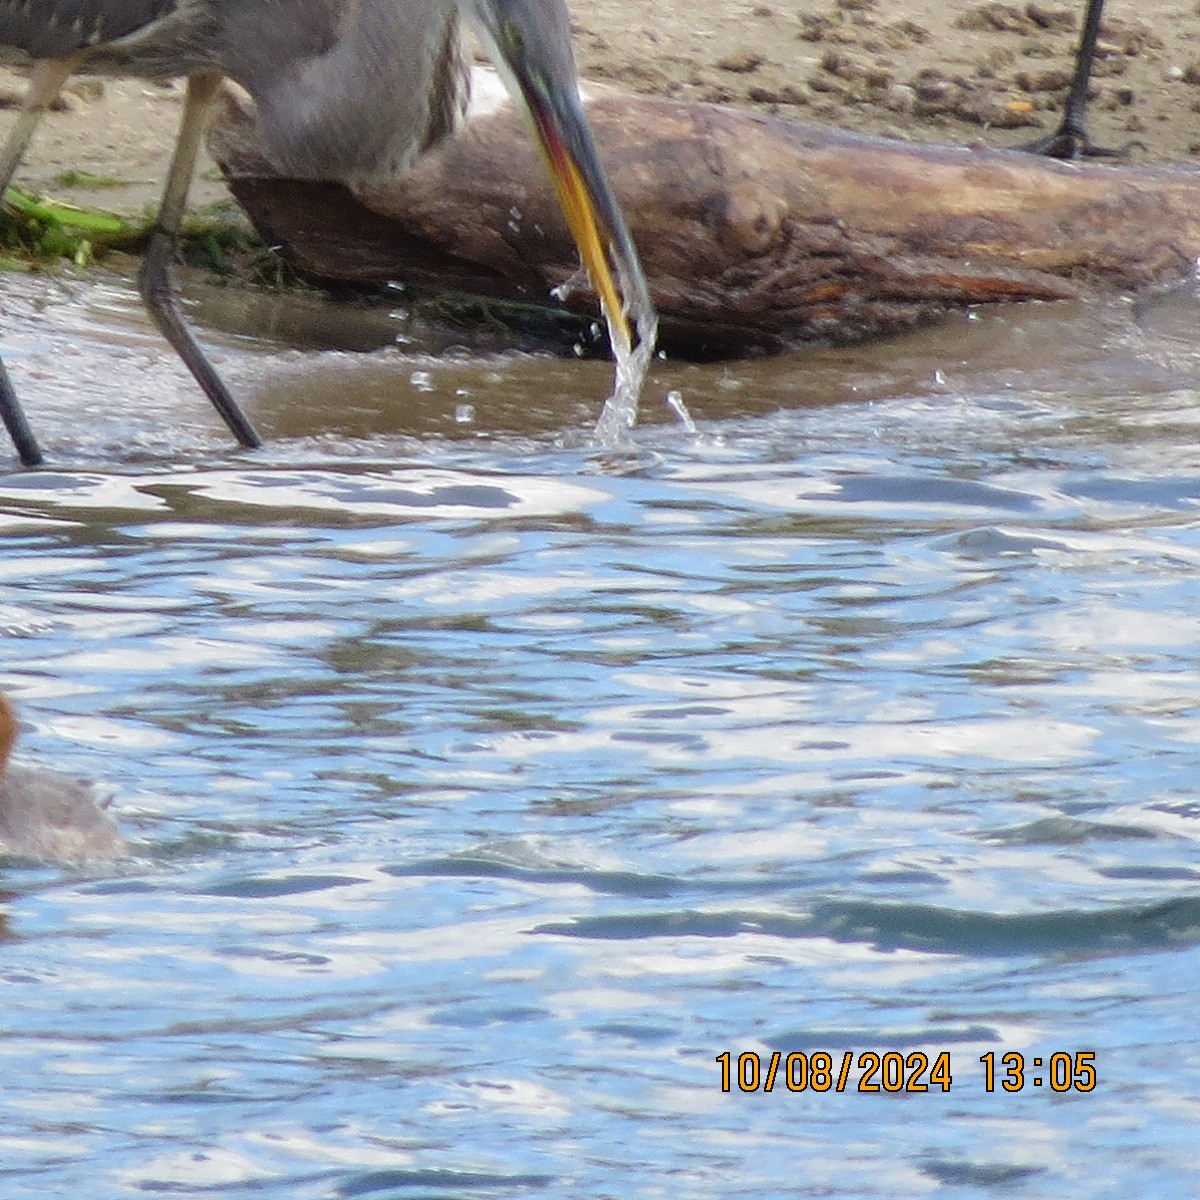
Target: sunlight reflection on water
x,y
485,788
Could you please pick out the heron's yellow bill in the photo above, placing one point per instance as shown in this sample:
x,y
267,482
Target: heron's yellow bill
x,y
580,207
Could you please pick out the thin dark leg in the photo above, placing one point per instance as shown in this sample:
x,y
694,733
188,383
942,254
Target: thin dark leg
x,y
44,85
13,416
154,279
1070,139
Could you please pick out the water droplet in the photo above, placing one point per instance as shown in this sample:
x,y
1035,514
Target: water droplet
x,y
674,401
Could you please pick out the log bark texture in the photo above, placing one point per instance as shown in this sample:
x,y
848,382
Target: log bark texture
x,y
757,234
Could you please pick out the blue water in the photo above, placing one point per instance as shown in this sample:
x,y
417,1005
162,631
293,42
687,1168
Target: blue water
x,y
485,787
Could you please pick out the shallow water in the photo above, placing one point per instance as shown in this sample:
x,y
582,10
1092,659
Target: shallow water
x,y
486,786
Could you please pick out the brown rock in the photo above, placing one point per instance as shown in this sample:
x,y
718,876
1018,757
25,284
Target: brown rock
x,y
1004,17
741,62
1059,20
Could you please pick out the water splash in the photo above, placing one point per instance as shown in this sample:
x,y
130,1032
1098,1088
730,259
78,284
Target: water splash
x,y
675,402
633,362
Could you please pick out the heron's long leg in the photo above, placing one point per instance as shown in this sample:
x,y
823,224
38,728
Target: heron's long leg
x,y
1070,139
45,82
154,280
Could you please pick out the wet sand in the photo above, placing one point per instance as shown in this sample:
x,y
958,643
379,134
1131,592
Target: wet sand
x,y
914,68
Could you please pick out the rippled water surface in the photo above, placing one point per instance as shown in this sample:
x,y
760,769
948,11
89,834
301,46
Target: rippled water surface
x,y
485,787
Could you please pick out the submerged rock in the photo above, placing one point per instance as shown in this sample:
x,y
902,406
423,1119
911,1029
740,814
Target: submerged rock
x,y
48,816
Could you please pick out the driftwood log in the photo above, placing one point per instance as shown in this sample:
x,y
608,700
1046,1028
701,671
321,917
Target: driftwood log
x,y
757,234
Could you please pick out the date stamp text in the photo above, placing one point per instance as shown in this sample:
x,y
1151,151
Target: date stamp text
x,y
893,1071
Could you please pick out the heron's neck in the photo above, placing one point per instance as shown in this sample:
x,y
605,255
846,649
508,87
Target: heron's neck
x,y
387,80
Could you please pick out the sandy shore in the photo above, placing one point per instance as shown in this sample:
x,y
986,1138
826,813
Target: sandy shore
x,y
914,68
906,68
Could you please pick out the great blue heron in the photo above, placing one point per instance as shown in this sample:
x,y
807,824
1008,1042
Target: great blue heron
x,y
47,815
344,89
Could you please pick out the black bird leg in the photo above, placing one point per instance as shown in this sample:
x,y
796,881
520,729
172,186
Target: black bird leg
x,y
154,281
45,82
154,278
1070,140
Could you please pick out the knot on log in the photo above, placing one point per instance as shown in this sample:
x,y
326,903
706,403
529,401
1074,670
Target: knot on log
x,y
751,218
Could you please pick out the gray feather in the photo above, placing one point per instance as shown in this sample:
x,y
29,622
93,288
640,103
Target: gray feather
x,y
51,28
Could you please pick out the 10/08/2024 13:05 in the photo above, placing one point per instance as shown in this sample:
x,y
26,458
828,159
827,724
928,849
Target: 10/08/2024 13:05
x,y
892,1071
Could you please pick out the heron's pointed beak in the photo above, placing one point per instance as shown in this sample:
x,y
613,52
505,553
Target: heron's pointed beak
x,y
591,210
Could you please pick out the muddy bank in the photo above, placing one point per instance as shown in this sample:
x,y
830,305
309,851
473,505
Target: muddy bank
x,y
913,68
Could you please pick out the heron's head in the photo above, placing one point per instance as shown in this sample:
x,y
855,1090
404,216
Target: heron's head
x,y
530,43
